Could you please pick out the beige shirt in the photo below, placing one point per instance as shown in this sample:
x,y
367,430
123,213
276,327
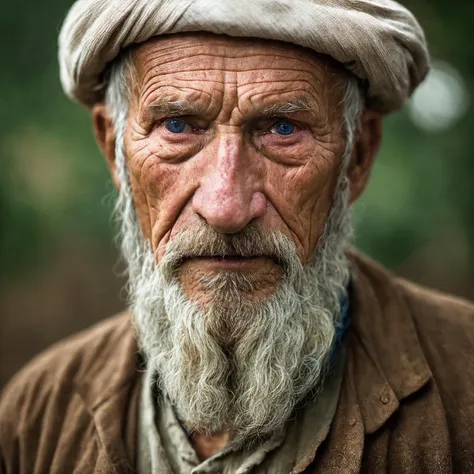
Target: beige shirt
x,y
164,446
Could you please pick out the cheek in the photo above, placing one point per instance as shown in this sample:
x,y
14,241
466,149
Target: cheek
x,y
161,190
173,148
302,197
150,168
157,179
313,184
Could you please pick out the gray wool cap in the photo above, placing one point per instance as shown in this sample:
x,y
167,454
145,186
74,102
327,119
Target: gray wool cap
x,y
379,41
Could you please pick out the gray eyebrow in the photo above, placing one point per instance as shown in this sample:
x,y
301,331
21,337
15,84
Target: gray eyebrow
x,y
175,107
184,107
291,107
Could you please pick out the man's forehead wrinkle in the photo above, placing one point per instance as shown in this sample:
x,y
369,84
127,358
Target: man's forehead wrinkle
x,y
316,94
189,77
274,82
283,79
189,87
165,58
181,74
150,60
237,47
155,64
247,77
228,91
274,91
162,94
155,83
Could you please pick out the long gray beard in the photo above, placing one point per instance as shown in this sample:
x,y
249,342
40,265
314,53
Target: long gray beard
x,y
238,364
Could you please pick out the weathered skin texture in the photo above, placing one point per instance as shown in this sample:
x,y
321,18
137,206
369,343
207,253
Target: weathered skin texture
x,y
229,166
232,170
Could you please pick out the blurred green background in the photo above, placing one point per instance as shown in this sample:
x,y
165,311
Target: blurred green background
x,y
57,256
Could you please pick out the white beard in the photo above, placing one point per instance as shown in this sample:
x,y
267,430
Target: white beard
x,y
280,346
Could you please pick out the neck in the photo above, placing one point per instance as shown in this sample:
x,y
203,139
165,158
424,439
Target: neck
x,y
207,446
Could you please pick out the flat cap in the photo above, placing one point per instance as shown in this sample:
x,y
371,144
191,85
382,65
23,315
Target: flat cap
x,y
379,41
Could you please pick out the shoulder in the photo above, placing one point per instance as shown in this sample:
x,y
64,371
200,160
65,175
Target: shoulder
x,y
442,328
444,322
443,325
52,376
445,330
73,356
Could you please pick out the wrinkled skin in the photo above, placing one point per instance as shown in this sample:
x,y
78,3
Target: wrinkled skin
x,y
230,166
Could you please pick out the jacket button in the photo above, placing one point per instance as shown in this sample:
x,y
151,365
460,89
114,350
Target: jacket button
x,y
384,398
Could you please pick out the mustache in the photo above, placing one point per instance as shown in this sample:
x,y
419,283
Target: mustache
x,y
252,241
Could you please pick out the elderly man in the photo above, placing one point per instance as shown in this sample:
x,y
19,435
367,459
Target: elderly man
x,y
238,135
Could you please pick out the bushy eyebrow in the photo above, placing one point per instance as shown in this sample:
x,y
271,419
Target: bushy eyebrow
x,y
184,107
286,108
175,108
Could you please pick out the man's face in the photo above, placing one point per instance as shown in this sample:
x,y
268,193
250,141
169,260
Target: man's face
x,y
230,132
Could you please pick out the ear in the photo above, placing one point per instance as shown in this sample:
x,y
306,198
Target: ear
x,y
364,152
104,132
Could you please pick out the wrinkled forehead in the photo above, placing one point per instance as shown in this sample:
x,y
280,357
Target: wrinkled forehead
x,y
203,64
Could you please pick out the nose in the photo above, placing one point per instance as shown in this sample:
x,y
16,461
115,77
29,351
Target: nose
x,y
228,197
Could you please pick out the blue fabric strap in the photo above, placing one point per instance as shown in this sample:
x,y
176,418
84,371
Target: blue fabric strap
x,y
343,325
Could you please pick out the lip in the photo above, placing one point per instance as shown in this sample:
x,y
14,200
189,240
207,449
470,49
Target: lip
x,y
231,262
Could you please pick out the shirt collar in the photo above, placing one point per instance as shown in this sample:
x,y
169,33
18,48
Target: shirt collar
x,y
163,442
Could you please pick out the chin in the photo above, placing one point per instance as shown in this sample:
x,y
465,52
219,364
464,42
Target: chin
x,y
229,288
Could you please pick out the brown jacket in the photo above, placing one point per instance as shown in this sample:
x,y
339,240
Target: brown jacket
x,y
406,403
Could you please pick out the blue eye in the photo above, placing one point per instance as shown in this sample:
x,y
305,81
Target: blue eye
x,y
175,125
285,128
